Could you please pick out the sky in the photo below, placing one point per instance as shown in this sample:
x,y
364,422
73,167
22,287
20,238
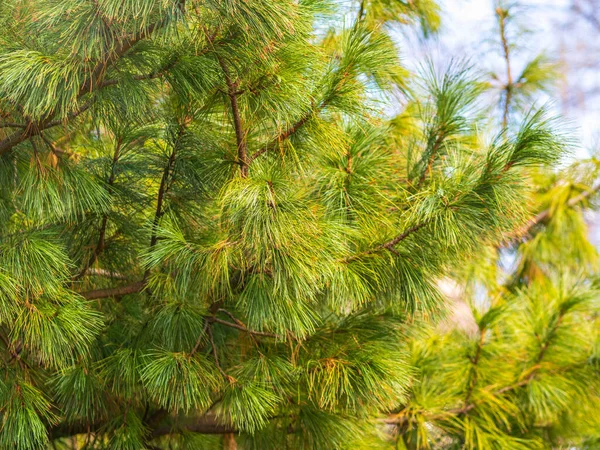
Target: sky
x,y
468,30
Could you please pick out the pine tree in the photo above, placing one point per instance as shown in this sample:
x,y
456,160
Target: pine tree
x,y
524,372
214,235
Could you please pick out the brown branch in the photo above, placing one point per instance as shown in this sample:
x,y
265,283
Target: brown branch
x,y
216,355
436,146
57,152
361,12
240,136
164,185
207,424
542,216
284,135
546,345
118,291
72,115
276,143
229,442
533,370
389,245
199,340
17,137
244,329
235,319
149,76
399,419
102,235
14,348
106,273
12,125
162,190
36,128
120,49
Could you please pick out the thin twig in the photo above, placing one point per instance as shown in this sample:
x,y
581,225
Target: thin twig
x,y
540,217
118,291
199,340
240,135
389,245
106,273
284,135
244,329
215,355
163,188
436,146
12,125
149,76
235,319
100,245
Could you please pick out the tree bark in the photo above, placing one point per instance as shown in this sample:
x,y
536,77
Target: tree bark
x,y
229,442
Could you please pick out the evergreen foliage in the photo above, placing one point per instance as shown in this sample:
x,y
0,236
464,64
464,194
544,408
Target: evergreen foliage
x,y
212,233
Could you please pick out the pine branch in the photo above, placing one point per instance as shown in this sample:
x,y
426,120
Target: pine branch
x,y
400,419
118,291
207,424
235,319
149,76
199,340
275,144
361,12
240,135
472,379
35,128
57,152
162,190
544,215
93,82
164,187
102,234
14,349
99,13
244,329
548,341
436,146
72,115
122,47
215,354
533,371
294,128
106,273
389,245
12,125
